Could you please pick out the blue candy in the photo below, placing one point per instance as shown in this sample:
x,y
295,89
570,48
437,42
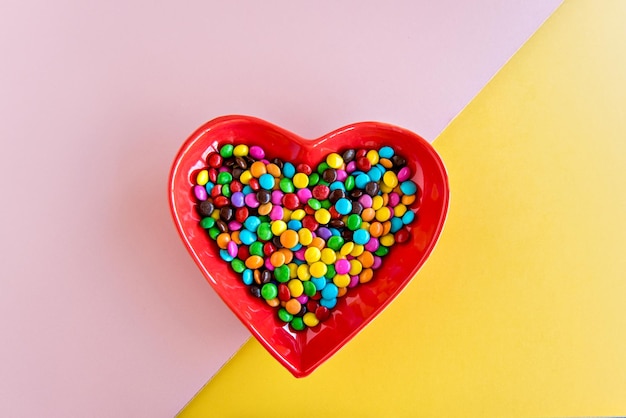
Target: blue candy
x,y
289,170
319,283
330,291
396,224
294,224
408,187
247,237
266,181
336,185
375,174
361,236
328,303
252,223
408,217
247,277
361,180
343,206
225,256
386,152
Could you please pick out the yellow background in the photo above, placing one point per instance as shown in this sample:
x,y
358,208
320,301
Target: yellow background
x,y
520,309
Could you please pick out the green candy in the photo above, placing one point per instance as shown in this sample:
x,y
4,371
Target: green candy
x,y
323,166
214,232
382,251
226,190
238,265
224,177
314,203
314,178
227,151
256,248
354,222
349,183
326,204
309,288
297,323
264,232
286,185
335,242
281,274
269,291
330,271
207,222
284,315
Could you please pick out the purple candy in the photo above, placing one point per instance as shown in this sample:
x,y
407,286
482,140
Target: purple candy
x,y
200,192
324,233
404,174
276,214
251,201
350,167
256,152
277,197
394,199
372,245
303,299
377,262
222,169
354,280
304,194
234,226
238,199
342,266
341,175
232,249
366,201
268,265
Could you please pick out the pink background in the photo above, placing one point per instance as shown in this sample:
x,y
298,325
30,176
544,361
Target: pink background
x,y
103,313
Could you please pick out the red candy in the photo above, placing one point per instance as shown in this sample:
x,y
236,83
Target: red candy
x,y
220,201
216,190
401,236
363,164
320,192
309,223
291,201
304,168
241,214
322,313
215,160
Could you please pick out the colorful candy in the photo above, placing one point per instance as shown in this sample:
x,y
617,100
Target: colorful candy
x,y
301,237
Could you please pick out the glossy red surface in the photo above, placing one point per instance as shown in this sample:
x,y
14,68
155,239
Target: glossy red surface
x,y
302,352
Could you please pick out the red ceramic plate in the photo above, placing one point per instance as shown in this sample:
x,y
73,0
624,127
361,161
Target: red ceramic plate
x,y
302,352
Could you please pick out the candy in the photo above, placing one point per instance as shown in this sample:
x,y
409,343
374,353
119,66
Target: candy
x,y
301,237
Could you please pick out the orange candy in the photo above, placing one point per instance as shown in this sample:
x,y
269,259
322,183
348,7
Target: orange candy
x,y
289,238
366,275
293,306
222,240
368,214
257,169
254,262
277,259
376,229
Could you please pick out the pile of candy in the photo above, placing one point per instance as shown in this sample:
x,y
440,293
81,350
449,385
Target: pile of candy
x,y
300,238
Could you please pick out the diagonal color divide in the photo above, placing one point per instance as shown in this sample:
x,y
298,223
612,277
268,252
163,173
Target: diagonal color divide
x,y
519,311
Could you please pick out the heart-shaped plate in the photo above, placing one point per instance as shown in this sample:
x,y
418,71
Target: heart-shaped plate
x,y
301,352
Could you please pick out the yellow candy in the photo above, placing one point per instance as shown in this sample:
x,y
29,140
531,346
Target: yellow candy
x,y
341,280
310,320
334,160
305,236
202,178
216,214
286,214
318,269
372,155
240,150
399,210
278,227
245,177
357,250
295,288
298,214
346,248
390,179
355,267
293,270
328,256
322,216
387,240
312,254
377,202
383,214
303,272
385,189
300,180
